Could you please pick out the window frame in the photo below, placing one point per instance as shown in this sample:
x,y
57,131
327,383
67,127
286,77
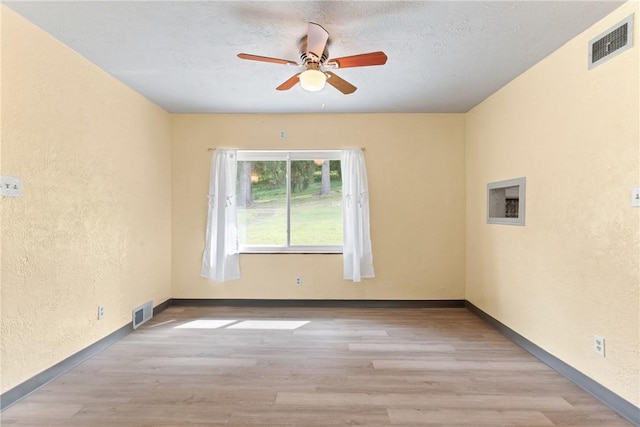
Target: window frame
x,y
521,183
288,156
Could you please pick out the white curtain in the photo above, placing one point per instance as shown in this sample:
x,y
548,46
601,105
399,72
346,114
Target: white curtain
x,y
221,259
358,259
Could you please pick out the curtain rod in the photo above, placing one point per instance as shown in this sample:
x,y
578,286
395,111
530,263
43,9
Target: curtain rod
x,y
214,148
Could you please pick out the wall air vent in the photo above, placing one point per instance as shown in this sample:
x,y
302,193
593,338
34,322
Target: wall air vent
x,y
611,43
142,314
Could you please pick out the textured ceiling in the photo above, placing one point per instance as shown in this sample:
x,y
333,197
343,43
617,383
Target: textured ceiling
x,y
444,56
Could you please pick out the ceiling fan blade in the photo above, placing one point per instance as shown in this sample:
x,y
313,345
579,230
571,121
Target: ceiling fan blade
x,y
339,83
265,59
316,39
289,83
362,60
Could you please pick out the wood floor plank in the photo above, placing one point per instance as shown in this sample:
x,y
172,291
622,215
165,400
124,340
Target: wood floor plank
x,y
181,362
403,400
305,416
457,365
468,417
401,347
340,333
47,410
340,366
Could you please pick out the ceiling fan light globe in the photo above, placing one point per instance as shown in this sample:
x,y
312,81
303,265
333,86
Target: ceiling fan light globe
x,y
312,80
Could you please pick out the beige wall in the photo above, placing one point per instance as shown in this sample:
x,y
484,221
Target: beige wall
x,y
573,271
93,224
415,166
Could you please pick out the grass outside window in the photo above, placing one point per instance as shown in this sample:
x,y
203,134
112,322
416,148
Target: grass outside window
x,y
290,205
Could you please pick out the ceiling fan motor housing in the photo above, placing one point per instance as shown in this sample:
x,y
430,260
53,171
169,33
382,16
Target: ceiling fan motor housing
x,y
309,57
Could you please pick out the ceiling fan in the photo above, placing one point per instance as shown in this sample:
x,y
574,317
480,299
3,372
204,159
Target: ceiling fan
x,y
314,54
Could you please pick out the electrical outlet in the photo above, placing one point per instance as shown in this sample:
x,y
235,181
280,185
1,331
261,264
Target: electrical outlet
x,y
10,186
635,196
100,312
598,345
298,281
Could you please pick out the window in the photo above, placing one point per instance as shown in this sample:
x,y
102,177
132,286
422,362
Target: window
x,y
289,201
505,202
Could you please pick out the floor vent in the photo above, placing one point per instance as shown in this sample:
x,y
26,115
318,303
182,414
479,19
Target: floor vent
x,y
142,314
611,43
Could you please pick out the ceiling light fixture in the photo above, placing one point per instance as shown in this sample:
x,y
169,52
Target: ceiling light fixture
x,y
312,80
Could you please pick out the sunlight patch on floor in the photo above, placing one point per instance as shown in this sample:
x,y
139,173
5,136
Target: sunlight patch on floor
x,y
270,324
243,324
205,324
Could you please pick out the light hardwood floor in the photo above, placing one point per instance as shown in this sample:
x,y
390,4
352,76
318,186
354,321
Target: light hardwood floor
x,y
429,367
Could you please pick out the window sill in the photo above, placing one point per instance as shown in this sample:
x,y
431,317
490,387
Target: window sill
x,y
324,250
